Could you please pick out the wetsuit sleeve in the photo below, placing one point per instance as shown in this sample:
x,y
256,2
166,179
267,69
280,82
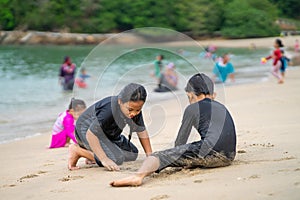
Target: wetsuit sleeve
x,y
138,125
95,127
69,128
186,126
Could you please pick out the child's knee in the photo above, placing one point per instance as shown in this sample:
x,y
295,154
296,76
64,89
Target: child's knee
x,y
119,159
131,155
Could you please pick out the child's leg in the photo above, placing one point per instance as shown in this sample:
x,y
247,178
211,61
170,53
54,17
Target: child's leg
x,y
72,137
58,140
129,150
150,165
76,152
157,161
67,142
276,72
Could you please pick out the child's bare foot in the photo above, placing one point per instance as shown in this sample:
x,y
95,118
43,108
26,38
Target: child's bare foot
x,y
280,81
73,157
89,162
129,181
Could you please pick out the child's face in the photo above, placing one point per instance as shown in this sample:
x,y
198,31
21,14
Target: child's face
x,y
192,97
131,108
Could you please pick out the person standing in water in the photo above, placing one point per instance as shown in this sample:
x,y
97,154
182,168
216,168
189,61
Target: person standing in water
x,y
67,74
99,130
277,61
158,65
168,80
223,69
217,147
81,80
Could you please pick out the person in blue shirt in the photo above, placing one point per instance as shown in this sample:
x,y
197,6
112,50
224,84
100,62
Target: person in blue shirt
x,y
284,63
223,69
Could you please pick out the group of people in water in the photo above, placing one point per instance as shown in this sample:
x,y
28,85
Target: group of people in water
x,y
67,75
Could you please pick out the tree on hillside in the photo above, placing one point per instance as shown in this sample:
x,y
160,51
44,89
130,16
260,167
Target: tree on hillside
x,y
7,18
253,18
288,8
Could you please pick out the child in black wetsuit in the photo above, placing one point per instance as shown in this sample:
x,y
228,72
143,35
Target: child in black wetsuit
x,y
217,147
99,130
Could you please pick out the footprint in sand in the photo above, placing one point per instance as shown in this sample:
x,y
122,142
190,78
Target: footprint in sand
x,y
262,145
241,151
8,186
30,176
27,177
285,158
70,178
255,176
160,197
198,181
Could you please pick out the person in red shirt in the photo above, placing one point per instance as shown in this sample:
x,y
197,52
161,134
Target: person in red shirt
x,y
277,63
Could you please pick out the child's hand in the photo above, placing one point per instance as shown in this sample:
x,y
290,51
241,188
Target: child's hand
x,y
263,60
109,164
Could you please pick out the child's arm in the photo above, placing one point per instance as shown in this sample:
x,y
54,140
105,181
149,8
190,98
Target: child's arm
x,y
99,152
269,57
69,128
185,128
145,142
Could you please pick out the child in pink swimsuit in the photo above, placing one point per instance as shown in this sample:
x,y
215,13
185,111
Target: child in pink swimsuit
x,y
64,126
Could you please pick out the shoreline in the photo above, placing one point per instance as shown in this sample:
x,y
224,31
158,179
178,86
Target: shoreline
x,y
55,38
61,38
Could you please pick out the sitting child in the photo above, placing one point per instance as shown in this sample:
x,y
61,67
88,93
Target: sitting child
x,y
63,129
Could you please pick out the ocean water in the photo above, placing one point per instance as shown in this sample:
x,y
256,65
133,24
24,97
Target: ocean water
x,y
31,98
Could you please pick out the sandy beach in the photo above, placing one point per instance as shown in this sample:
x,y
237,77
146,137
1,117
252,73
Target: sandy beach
x,y
267,165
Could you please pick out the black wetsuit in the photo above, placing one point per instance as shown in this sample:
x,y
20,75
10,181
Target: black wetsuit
x,y
217,146
106,121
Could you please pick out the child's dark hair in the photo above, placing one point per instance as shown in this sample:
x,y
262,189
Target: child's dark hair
x,y
77,104
161,56
200,84
279,42
82,69
133,92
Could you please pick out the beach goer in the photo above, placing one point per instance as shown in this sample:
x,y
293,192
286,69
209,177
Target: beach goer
x,y
99,130
64,126
277,62
217,147
284,63
158,65
67,73
223,69
252,46
297,46
168,80
81,80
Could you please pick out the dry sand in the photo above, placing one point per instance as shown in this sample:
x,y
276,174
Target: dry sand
x,y
267,165
267,42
